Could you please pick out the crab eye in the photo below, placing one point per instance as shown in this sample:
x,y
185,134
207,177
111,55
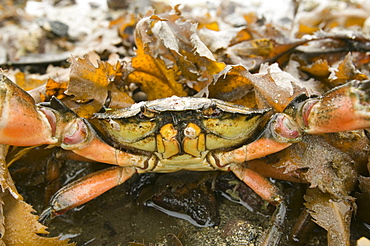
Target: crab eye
x,y
146,114
212,111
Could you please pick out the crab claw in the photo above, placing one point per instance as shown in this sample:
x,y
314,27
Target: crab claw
x,y
77,134
21,122
343,108
280,132
24,124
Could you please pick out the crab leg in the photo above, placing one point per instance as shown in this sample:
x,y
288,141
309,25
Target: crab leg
x,y
84,141
281,173
344,108
86,189
260,184
269,192
280,132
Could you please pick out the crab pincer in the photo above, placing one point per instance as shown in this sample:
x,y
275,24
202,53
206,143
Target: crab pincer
x,y
344,108
21,122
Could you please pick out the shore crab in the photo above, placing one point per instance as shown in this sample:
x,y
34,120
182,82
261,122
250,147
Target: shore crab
x,y
175,133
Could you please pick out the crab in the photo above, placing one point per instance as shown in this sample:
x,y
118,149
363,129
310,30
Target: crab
x,y
175,133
